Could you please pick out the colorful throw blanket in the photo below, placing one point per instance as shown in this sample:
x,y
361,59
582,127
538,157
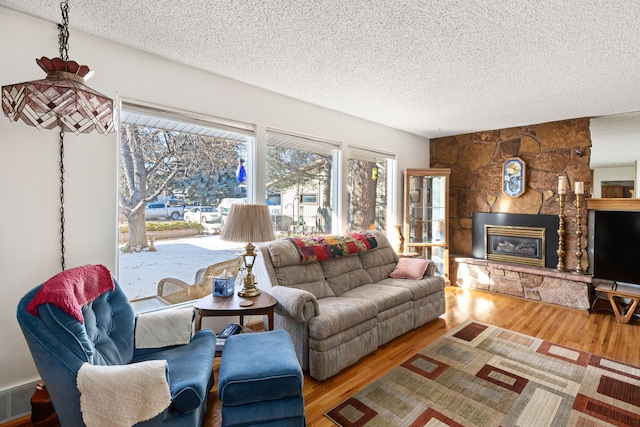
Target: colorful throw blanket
x,y
72,289
320,248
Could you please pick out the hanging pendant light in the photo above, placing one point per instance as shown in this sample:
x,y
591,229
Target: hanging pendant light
x,y
60,100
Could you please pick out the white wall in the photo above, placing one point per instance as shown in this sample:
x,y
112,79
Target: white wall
x,y
29,248
622,173
615,140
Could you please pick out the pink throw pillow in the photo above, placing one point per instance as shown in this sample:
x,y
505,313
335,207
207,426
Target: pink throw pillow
x,y
410,268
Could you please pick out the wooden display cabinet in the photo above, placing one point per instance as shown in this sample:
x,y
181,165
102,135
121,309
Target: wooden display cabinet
x,y
426,215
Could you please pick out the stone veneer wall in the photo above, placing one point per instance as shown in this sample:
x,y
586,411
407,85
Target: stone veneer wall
x,y
476,159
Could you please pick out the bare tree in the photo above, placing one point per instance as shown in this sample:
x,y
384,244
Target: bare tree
x,y
288,167
154,160
146,157
209,169
362,206
323,219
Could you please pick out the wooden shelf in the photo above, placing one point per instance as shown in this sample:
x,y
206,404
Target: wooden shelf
x,y
613,204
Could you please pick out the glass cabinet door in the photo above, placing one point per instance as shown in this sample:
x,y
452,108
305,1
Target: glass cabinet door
x,y
426,215
427,204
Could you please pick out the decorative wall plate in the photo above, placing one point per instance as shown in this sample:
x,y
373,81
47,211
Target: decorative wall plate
x,y
513,177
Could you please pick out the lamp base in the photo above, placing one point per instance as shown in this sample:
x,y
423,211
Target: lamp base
x,y
249,289
248,293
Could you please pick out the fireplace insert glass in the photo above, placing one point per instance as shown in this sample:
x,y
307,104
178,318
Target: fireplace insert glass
x,y
547,222
523,245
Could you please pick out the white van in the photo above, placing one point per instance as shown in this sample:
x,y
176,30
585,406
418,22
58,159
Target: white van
x,y
225,205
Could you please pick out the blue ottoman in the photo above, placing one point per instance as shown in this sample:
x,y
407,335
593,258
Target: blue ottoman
x,y
260,381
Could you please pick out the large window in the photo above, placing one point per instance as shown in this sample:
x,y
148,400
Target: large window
x,y
171,163
369,189
180,173
301,171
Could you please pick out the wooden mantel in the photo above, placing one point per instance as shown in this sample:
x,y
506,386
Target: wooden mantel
x,y
613,204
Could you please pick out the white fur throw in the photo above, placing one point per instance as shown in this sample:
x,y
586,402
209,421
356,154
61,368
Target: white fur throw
x,y
122,395
164,328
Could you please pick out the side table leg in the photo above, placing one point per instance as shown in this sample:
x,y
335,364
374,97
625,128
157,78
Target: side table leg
x,y
198,321
270,317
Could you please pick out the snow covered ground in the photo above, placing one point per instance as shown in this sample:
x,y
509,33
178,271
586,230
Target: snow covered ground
x,y
140,272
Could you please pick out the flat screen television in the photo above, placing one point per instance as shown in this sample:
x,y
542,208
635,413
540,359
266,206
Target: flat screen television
x,y
616,246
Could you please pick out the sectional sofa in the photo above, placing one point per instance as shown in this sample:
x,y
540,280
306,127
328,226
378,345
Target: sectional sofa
x,y
342,305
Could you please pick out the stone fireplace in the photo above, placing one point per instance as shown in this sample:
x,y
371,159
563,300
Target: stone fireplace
x,y
516,254
550,150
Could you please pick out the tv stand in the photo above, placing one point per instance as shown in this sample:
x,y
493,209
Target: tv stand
x,y
617,293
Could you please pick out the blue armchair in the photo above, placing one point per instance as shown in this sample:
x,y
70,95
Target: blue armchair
x,y
101,336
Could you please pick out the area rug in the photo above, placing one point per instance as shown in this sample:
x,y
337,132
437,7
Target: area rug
x,y
482,375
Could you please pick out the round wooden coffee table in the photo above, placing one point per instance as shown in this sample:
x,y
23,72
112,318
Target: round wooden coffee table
x,y
235,306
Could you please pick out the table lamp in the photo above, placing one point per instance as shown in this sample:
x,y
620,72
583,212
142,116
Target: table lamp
x,y
248,223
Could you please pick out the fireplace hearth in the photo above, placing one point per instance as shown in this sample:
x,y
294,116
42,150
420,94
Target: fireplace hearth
x,y
516,238
526,250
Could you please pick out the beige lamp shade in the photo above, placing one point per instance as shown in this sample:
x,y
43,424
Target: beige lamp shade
x,y
248,223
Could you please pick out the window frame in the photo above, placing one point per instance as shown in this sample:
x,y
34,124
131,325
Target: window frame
x,y
187,122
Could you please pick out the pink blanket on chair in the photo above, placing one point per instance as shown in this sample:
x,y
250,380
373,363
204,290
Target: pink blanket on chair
x,y
73,288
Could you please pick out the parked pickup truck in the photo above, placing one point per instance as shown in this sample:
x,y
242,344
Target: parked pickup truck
x,y
162,211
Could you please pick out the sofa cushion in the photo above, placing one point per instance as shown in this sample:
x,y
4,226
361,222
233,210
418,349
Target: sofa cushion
x,y
381,238
410,268
379,263
319,289
339,314
344,273
347,281
384,297
419,288
335,267
283,252
308,277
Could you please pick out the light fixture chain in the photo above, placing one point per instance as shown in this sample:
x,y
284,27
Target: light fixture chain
x,y
62,248
63,37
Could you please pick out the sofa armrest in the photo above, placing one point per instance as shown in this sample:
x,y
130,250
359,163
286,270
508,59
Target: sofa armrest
x,y
432,269
293,300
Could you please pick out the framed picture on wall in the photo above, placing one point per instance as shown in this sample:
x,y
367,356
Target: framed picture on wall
x,y
513,177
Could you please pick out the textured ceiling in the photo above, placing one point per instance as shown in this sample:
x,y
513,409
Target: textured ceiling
x,y
433,68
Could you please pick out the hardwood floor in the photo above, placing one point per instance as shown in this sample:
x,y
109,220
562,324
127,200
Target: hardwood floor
x,y
596,332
